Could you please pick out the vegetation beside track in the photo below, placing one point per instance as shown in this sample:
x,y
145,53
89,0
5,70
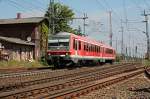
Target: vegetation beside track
x,y
146,63
19,64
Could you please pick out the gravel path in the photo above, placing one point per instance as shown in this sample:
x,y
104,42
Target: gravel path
x,y
134,88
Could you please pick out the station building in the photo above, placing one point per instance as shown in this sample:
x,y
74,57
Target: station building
x,y
22,38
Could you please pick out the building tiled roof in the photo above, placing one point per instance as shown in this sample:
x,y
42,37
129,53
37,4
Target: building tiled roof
x,y
16,40
22,20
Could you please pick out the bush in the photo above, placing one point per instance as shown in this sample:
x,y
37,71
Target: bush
x,y
20,64
146,63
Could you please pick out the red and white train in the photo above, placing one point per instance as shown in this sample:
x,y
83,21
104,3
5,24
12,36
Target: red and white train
x,y
67,48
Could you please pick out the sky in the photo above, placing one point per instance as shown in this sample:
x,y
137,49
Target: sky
x,y
129,11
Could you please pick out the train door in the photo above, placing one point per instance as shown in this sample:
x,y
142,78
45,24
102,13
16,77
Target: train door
x,y
76,47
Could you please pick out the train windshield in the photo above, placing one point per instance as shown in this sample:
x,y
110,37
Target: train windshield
x,y
58,42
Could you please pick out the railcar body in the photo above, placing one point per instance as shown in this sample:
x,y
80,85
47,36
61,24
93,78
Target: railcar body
x,y
67,49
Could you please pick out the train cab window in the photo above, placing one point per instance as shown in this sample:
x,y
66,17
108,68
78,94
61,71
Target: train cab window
x,y
79,45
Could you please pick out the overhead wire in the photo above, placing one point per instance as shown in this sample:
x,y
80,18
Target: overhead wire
x,y
125,12
26,7
101,5
31,5
16,6
107,4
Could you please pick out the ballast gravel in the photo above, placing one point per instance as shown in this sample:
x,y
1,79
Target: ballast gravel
x,y
133,88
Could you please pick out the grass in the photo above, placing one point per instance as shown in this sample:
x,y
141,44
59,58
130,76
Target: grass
x,y
19,64
146,63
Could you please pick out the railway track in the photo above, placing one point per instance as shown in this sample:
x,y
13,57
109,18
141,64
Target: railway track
x,y
89,87
30,79
53,87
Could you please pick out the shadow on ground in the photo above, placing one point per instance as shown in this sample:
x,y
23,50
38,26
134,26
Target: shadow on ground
x,y
142,90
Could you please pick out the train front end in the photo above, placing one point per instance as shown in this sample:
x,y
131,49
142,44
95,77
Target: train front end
x,y
59,49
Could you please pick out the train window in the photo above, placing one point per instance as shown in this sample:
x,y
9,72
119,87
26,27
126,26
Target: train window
x,y
109,51
99,49
84,46
73,43
95,48
76,44
91,48
87,47
79,45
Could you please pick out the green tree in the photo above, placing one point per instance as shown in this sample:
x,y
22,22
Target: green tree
x,y
62,15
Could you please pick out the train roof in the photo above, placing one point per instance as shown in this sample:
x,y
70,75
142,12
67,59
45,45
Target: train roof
x,y
63,33
84,38
87,39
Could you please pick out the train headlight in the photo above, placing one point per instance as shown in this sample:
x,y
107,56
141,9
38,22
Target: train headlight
x,y
67,54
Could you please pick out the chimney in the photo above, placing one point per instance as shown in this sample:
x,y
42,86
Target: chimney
x,y
18,15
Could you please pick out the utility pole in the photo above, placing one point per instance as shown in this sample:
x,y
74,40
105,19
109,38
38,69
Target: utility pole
x,y
110,28
77,18
147,34
53,18
116,44
84,18
122,40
